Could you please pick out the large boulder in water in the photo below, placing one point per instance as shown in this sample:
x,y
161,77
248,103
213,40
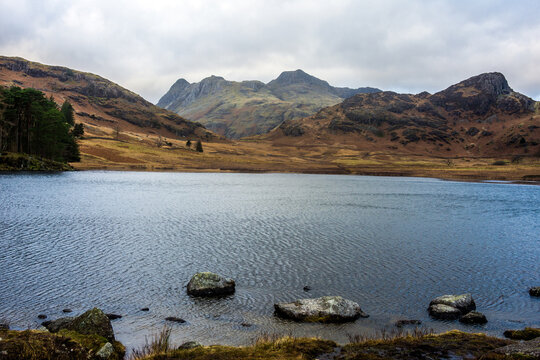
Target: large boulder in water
x,y
444,312
323,309
464,303
210,284
91,322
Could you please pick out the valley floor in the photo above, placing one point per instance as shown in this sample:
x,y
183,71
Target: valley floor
x,y
137,152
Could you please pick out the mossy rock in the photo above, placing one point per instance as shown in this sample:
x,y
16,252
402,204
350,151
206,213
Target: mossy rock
x,y
92,322
210,284
525,334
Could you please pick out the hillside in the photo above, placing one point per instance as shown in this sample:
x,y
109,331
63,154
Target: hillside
x,y
100,104
481,116
238,109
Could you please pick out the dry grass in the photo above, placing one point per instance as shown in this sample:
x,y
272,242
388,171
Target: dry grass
x,y
159,345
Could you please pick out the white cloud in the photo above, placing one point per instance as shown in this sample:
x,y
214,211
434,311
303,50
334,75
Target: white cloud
x,y
404,46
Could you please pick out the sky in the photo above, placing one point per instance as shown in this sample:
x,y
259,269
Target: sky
x,y
404,46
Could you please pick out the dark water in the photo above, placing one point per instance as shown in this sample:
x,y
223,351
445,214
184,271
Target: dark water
x,y
124,240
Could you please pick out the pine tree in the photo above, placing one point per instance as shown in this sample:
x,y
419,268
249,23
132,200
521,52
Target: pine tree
x,y
198,146
68,112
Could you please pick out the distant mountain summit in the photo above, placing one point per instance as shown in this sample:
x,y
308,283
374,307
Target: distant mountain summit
x,y
238,109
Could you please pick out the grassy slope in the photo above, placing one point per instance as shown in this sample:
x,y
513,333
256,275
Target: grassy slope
x,y
135,151
98,102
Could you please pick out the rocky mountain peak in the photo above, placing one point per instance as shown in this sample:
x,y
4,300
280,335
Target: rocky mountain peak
x,y
297,77
493,83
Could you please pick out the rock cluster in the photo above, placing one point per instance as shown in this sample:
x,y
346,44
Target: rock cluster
x,y
451,307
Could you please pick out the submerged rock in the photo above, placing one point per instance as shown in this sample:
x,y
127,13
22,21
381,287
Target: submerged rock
x,y
210,284
534,291
444,312
91,322
145,309
113,316
473,317
464,303
175,319
307,288
42,316
323,309
67,310
401,323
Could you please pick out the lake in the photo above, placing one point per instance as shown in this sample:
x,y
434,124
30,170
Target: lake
x,y
122,241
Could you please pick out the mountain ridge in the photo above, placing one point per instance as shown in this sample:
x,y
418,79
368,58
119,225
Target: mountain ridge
x,y
98,102
479,116
244,108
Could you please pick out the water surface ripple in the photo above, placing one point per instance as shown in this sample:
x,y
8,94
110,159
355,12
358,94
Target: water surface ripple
x,y
125,240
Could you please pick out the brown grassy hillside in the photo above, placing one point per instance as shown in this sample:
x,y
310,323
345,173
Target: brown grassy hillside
x,y
98,102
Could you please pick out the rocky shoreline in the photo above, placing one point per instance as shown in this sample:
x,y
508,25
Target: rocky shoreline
x,y
91,335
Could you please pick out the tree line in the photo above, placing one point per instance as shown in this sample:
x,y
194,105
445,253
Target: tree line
x,y
33,124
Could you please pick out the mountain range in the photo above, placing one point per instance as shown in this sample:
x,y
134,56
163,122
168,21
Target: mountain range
x,y
238,109
480,116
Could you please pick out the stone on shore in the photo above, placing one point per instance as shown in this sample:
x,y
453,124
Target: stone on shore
x,y
525,334
473,317
189,345
106,351
535,291
91,322
444,312
210,284
464,303
323,309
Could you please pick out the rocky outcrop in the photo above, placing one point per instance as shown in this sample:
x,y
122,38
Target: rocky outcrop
x,y
323,309
473,317
210,284
91,322
464,303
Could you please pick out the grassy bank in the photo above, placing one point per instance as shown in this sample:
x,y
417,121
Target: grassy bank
x,y
450,345
135,153
35,344
25,162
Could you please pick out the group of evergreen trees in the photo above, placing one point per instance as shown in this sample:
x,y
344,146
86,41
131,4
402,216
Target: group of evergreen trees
x,y
33,124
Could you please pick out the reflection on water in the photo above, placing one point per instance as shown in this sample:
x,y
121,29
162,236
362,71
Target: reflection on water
x,y
123,241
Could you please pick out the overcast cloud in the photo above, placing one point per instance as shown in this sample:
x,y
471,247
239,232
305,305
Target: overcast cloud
x,y
405,46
